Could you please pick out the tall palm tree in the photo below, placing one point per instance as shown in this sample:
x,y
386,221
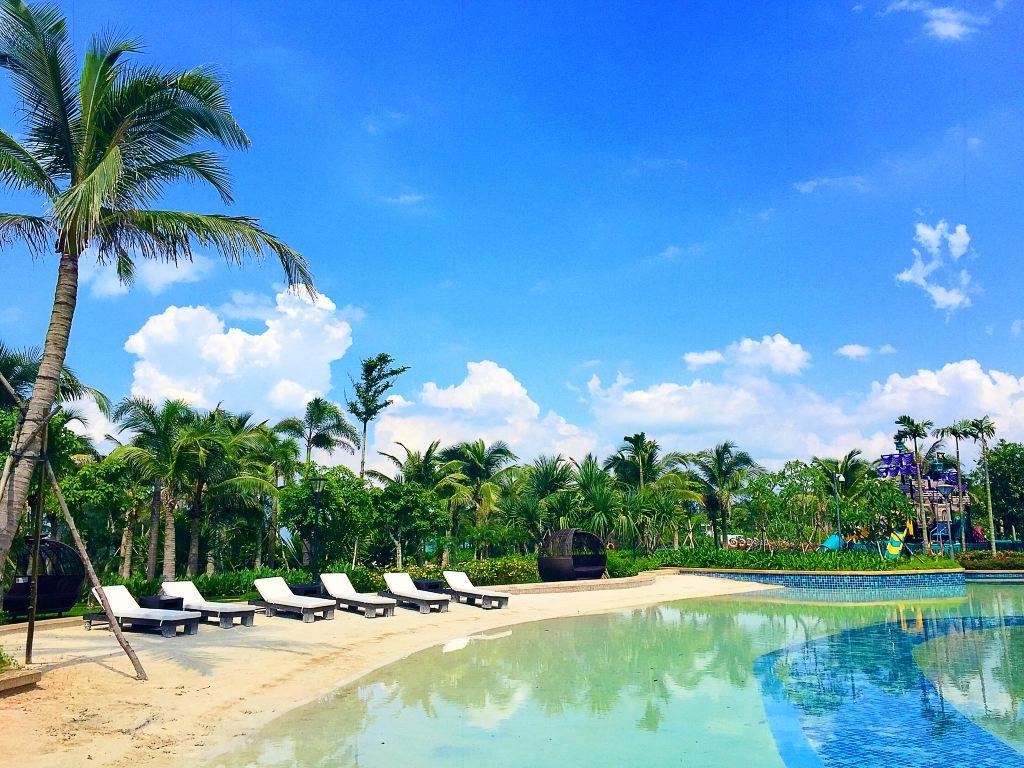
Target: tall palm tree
x,y
281,458
721,474
481,468
855,471
155,455
981,431
638,461
376,378
599,498
916,430
958,430
100,144
322,426
21,368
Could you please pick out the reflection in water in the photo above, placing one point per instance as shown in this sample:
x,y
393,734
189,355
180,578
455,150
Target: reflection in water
x,y
666,685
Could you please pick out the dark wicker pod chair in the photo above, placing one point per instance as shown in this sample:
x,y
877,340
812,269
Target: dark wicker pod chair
x,y
61,579
571,554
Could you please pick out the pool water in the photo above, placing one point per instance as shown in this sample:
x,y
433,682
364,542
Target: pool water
x,y
756,681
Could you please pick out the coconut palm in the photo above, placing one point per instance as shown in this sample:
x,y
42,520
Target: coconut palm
x,y
21,368
600,502
638,461
915,431
721,474
322,426
957,431
855,472
281,458
377,377
981,431
155,455
481,468
100,144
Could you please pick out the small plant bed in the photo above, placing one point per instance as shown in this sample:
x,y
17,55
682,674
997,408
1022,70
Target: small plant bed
x,y
986,561
627,564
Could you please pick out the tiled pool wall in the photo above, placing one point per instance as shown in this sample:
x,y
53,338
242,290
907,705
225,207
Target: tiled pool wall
x,y
995,575
858,587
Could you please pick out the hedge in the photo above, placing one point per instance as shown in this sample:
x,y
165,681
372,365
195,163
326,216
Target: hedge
x,y
986,561
626,564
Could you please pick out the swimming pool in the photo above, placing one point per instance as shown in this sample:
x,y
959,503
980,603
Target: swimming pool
x,y
752,680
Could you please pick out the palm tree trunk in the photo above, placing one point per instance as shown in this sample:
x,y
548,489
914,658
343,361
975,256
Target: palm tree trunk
x,y
988,497
272,532
398,552
193,540
44,393
362,454
960,500
355,552
212,551
170,552
128,542
154,534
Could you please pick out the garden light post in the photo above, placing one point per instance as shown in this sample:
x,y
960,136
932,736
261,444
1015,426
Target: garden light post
x,y
836,480
317,484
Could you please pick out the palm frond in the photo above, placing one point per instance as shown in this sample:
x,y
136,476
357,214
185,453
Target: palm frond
x,y
34,231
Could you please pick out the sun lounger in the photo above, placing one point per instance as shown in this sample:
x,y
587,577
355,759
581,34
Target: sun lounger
x,y
192,600
462,589
280,599
340,588
401,589
129,614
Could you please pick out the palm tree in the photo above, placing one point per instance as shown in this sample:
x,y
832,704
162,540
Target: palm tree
x,y
154,455
981,431
855,472
481,468
100,145
377,377
638,461
21,368
281,458
600,506
958,430
721,474
323,426
916,430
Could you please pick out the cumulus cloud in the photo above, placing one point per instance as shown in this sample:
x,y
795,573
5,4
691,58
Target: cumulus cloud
x,y
855,183
854,351
777,421
887,349
153,276
404,198
192,353
942,22
953,291
489,403
775,353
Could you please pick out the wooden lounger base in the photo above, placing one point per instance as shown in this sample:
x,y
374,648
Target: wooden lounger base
x,y
168,628
226,619
369,610
308,614
472,598
425,605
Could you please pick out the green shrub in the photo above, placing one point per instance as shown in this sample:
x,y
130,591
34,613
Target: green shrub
x,y
227,584
511,569
986,561
6,662
623,564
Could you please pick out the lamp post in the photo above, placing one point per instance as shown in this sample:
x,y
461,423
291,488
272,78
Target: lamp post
x,y
317,484
836,480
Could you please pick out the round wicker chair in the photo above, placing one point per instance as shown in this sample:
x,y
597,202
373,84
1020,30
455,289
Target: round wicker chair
x,y
61,578
571,554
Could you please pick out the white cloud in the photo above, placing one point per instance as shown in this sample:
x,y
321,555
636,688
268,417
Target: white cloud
x,y
153,276
887,349
775,353
655,164
670,252
404,198
856,183
489,403
191,353
1016,327
385,120
777,421
695,360
942,22
92,423
854,351
955,293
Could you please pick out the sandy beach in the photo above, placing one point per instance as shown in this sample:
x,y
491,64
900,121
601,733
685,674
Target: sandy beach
x,y
207,692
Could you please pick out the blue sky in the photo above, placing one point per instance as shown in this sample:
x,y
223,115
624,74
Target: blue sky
x,y
583,201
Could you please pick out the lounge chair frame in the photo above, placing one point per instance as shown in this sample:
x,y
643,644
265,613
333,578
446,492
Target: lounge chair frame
x,y
424,604
167,627
308,614
370,610
475,598
223,613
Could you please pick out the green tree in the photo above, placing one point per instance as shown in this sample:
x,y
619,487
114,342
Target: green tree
x,y
722,474
281,458
915,431
481,468
1006,470
323,426
100,143
981,431
377,376
958,430
408,515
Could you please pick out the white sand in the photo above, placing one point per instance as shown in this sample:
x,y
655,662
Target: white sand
x,y
209,690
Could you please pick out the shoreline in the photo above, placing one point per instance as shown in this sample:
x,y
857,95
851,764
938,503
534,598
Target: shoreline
x,y
208,693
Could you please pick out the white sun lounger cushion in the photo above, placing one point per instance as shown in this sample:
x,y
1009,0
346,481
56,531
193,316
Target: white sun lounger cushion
x,y
193,600
124,606
339,586
275,590
460,582
401,584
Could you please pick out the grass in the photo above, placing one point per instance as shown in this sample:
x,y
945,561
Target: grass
x,y
6,662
